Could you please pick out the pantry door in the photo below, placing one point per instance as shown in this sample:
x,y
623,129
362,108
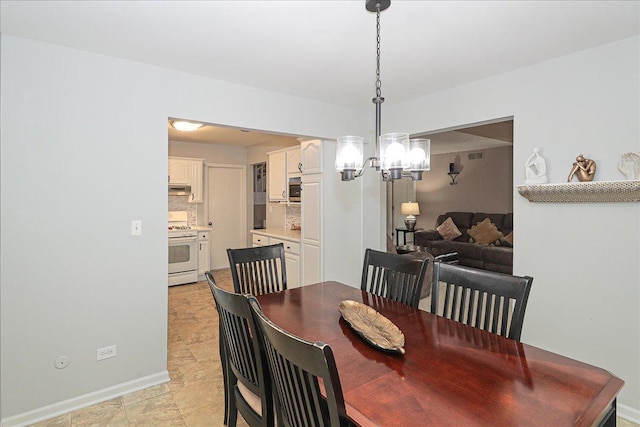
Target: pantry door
x,y
226,211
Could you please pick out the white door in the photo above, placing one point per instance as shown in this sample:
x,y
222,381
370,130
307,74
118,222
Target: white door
x,y
226,194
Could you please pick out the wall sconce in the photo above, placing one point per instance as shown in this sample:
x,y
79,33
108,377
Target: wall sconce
x,y
452,173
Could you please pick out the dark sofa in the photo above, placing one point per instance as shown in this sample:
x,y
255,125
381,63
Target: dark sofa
x,y
487,257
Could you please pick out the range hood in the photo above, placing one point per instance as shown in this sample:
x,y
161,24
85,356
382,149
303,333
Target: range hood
x,y
179,190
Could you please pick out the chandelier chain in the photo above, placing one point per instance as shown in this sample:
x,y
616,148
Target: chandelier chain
x,y
378,82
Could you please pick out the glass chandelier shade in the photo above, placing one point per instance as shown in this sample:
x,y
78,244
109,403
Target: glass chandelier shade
x,y
349,156
393,153
418,157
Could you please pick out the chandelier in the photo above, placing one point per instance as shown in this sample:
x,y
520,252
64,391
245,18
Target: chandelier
x,y
396,154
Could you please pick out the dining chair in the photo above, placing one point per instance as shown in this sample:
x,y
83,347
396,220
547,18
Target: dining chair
x,y
259,270
223,357
247,386
393,276
492,301
296,367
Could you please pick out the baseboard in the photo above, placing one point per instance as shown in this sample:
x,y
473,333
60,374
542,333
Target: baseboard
x,y
628,413
85,400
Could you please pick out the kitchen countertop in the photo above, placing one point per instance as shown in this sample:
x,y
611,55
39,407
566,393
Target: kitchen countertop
x,y
279,233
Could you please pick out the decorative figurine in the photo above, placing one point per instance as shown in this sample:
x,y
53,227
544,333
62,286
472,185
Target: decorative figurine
x,y
535,168
629,166
585,169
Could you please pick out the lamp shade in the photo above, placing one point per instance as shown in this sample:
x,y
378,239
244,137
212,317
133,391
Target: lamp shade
x,y
410,208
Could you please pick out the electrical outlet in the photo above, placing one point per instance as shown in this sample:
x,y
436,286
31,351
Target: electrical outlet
x,y
136,227
106,352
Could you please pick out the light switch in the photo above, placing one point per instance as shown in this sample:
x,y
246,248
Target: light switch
x,y
136,227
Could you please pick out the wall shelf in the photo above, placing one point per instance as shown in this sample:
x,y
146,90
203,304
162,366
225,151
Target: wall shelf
x,y
582,192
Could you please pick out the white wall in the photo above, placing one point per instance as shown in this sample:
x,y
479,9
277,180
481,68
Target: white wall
x,y
84,152
484,185
585,299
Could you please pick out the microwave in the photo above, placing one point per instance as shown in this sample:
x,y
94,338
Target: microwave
x,y
295,185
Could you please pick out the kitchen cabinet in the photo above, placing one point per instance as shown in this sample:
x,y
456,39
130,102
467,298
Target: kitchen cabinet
x,y
292,257
196,168
179,171
294,165
203,253
311,157
187,171
311,221
277,176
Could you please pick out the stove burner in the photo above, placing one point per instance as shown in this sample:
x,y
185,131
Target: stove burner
x,y
179,227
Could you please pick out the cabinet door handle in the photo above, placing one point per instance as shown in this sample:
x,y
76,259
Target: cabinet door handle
x,y
300,167
193,196
284,195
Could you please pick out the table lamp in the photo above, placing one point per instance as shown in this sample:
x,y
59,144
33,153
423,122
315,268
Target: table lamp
x,y
410,209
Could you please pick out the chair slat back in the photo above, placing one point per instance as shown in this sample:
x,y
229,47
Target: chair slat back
x,y
296,366
242,351
396,277
494,302
259,270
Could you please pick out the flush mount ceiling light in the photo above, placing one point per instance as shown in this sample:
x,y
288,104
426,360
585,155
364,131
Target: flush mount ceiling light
x,y
396,154
185,126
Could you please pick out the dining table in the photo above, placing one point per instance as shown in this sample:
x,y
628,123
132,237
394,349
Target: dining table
x,y
450,374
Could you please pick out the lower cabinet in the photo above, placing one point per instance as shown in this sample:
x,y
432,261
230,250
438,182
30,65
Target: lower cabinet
x,y
203,254
291,256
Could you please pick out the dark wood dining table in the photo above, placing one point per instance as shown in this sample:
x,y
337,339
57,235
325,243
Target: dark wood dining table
x,y
450,375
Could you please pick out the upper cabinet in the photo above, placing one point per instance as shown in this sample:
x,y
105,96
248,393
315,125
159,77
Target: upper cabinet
x,y
187,171
196,168
311,157
283,164
277,176
294,166
178,170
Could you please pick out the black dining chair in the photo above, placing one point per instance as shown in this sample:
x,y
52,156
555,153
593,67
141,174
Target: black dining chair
x,y
247,385
259,270
492,301
393,276
296,367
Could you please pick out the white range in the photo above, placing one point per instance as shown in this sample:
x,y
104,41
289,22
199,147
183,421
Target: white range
x,y
183,250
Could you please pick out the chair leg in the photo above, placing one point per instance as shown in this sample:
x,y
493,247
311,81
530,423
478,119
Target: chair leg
x,y
226,379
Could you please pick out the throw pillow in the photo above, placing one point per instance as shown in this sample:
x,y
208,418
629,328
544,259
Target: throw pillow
x,y
485,232
448,230
509,238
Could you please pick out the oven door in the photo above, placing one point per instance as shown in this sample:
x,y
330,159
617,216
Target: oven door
x,y
183,254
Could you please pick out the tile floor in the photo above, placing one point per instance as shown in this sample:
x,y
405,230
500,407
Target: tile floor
x,y
195,395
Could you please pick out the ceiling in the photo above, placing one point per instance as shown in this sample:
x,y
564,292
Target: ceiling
x,y
212,134
480,137
325,50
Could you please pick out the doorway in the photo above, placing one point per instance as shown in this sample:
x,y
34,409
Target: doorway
x,y
226,211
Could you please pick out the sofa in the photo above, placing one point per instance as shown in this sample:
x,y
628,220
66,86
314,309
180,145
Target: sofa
x,y
496,255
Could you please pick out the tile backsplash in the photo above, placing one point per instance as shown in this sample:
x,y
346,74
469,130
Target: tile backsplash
x,y
179,203
292,216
